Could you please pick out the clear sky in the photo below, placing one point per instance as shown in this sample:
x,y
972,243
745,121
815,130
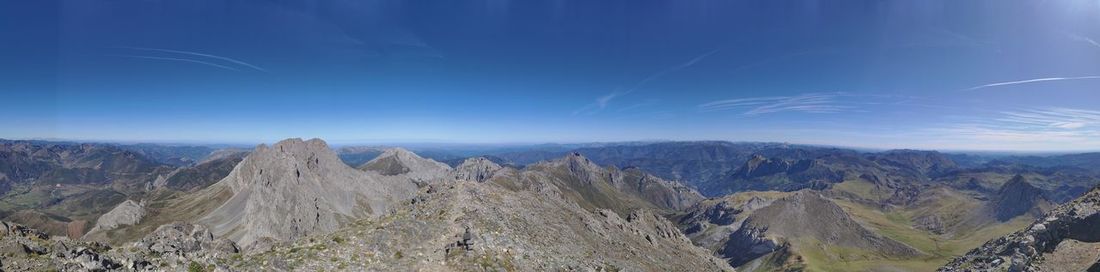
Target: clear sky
x,y
930,74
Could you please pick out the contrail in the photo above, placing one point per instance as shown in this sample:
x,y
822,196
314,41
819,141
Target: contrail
x,y
1031,81
602,101
198,54
179,59
672,69
1084,39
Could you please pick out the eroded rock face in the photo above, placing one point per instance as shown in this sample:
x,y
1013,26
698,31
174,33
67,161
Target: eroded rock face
x,y
182,241
26,249
1037,247
171,247
128,212
747,244
296,188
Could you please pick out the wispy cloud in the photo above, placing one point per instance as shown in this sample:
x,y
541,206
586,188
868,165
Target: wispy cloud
x,y
600,103
649,102
1026,81
807,103
1052,118
1032,126
179,60
180,53
1080,38
969,40
604,100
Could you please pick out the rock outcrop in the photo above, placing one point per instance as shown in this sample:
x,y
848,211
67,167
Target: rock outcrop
x,y
295,188
172,247
182,242
128,212
1065,239
26,249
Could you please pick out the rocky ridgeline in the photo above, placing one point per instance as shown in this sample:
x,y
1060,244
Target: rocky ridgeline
x,y
1066,239
482,226
611,187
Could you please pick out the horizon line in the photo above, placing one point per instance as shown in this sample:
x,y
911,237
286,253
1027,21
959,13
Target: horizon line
x,y
428,142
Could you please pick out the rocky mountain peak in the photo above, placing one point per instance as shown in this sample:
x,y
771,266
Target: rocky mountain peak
x,y
398,161
295,188
298,149
581,166
297,157
476,169
1017,197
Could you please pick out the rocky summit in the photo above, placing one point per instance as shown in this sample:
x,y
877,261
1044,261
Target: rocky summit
x,y
295,188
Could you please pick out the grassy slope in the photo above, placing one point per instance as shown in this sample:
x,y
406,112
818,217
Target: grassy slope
x,y
897,224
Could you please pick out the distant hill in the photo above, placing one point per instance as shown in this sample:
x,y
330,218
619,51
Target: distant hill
x,y
62,187
177,155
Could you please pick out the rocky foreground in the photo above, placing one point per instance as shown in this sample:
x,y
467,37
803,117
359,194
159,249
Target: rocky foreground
x,y
1066,239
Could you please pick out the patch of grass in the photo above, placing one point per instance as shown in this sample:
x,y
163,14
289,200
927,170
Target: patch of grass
x,y
496,262
610,268
195,267
863,189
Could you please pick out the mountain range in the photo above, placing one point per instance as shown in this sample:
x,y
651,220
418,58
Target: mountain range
x,y
696,206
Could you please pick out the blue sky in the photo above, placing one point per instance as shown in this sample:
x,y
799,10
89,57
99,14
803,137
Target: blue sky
x,y
949,75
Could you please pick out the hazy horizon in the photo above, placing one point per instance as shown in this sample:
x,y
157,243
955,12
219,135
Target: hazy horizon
x,y
445,145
